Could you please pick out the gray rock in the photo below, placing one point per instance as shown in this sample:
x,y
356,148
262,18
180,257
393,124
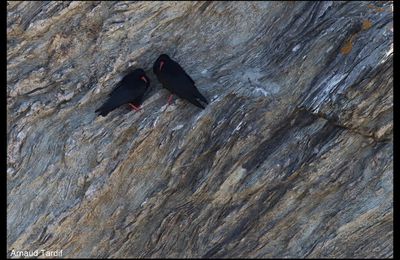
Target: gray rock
x,y
292,157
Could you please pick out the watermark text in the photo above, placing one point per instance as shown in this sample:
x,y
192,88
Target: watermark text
x,y
42,252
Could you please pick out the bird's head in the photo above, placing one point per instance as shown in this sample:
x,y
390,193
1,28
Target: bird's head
x,y
140,74
161,60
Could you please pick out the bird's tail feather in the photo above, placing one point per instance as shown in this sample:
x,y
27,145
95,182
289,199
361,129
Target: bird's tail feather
x,y
201,97
196,103
102,112
104,109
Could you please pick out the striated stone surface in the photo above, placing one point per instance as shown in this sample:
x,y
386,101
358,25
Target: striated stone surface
x,y
292,157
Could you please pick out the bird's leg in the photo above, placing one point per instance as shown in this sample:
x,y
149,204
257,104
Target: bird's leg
x,y
134,107
170,99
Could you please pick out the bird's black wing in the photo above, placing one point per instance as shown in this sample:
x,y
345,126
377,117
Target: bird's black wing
x,y
194,92
124,94
180,70
119,84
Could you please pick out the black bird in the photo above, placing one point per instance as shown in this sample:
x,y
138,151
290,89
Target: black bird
x,y
130,90
177,81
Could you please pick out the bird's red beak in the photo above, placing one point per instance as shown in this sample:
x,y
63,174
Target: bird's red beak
x,y
143,78
161,64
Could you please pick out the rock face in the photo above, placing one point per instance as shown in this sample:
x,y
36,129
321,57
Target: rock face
x,y
291,158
